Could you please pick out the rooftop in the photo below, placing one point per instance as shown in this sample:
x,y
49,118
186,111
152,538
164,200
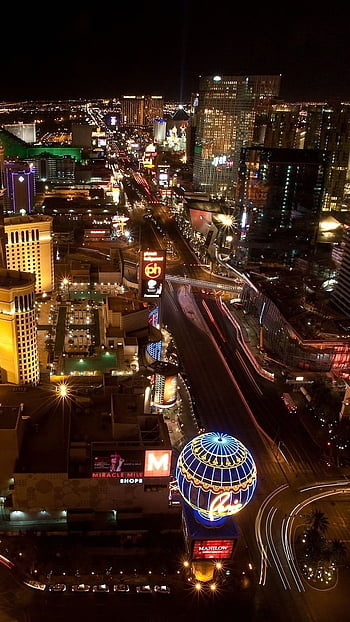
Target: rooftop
x,y
303,302
15,278
9,416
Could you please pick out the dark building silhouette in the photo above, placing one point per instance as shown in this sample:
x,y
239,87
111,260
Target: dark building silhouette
x,y
280,194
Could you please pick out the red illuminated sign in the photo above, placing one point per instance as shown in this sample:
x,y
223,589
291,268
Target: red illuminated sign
x,y
120,476
213,549
117,465
157,463
153,270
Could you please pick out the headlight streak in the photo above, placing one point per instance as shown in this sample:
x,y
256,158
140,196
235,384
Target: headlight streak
x,y
288,524
275,556
288,548
268,552
242,363
263,372
263,552
263,434
326,485
213,321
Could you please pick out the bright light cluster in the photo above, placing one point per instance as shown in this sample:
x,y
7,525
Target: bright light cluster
x,y
216,475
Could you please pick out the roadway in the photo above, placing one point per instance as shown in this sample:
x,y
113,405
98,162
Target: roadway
x,y
231,397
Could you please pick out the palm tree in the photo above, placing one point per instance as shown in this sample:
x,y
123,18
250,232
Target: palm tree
x,y
318,520
337,551
314,544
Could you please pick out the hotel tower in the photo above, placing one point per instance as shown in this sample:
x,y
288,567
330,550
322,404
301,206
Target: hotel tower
x,y
225,111
19,361
29,247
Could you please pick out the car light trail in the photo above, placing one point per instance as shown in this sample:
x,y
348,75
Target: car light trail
x,y
259,540
287,527
263,372
242,363
271,543
212,319
6,562
286,538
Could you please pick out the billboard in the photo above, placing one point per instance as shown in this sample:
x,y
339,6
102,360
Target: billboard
x,y
157,462
212,549
152,273
170,390
165,390
117,463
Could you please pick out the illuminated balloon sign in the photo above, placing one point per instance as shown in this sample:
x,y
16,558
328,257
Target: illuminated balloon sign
x,y
216,476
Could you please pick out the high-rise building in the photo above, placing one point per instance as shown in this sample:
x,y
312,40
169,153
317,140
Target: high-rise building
x,y
19,359
20,187
24,131
315,126
140,109
29,248
341,292
2,227
132,110
159,131
55,169
82,135
280,195
225,110
154,108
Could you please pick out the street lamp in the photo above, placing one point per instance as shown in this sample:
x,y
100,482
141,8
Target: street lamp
x,y
65,283
63,395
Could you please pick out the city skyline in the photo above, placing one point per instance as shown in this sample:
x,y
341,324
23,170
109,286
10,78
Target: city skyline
x,y
165,50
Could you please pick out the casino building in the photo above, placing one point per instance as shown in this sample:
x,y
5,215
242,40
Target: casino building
x,y
216,477
90,465
18,329
29,247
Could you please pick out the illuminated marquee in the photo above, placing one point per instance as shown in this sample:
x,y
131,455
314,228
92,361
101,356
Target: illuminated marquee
x,y
122,477
157,462
152,273
117,464
213,549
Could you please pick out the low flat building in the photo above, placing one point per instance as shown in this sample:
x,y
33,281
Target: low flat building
x,y
103,456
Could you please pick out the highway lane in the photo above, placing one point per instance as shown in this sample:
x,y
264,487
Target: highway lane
x,y
293,443
224,403
222,407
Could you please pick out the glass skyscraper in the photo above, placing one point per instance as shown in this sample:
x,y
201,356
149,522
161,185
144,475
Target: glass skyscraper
x,y
225,111
280,195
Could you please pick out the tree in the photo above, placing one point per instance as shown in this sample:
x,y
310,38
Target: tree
x,y
314,544
318,521
336,551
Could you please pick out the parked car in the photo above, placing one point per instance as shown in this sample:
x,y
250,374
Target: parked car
x,y
144,589
57,587
162,589
81,587
103,587
36,585
121,587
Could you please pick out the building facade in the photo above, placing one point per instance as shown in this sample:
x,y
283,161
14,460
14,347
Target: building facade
x,y
20,187
18,345
140,110
24,131
225,112
280,193
315,126
341,293
29,248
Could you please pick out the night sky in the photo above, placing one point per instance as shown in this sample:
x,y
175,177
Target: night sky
x,y
161,48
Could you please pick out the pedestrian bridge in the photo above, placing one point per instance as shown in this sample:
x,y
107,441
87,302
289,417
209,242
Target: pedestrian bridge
x,y
232,286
